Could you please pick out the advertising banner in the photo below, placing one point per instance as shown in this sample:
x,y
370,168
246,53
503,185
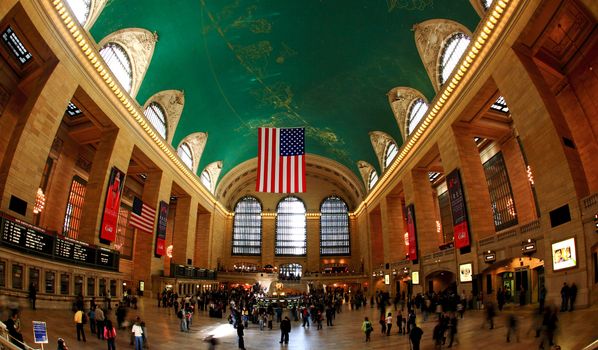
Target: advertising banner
x,y
458,209
161,230
111,206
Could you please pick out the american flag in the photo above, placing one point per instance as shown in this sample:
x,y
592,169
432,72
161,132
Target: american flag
x,y
281,160
142,216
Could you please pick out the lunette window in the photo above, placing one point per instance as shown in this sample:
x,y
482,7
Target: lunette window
x,y
334,227
390,154
291,234
451,54
74,208
206,179
247,227
372,179
119,63
156,115
416,112
186,155
80,9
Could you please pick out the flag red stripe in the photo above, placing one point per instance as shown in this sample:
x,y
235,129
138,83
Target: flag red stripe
x,y
259,156
276,173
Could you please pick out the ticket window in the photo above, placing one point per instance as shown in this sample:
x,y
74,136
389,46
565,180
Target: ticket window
x,y
103,291
91,285
64,283
113,288
50,282
78,285
2,273
17,276
34,277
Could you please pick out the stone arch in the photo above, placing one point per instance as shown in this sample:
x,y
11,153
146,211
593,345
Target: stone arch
x,y
430,37
95,8
400,99
380,141
213,169
365,169
197,142
139,44
173,102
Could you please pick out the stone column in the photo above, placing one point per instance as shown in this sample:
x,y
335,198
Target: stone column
x,y
418,192
114,150
520,185
202,242
28,133
313,244
268,239
184,229
396,229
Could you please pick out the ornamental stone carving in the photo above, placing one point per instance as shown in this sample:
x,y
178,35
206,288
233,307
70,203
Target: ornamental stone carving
x,y
430,37
380,141
214,170
139,44
365,169
172,101
400,99
197,142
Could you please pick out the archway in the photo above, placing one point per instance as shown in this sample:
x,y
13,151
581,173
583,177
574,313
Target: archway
x,y
519,279
439,281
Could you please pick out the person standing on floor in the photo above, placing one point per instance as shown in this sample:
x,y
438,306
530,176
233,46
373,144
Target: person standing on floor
x,y
138,332
564,297
32,295
109,335
240,334
285,329
452,329
415,336
100,320
79,318
572,295
542,298
367,328
388,323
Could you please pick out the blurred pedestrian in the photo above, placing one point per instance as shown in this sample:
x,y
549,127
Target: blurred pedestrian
x,y
109,334
415,336
367,328
572,295
61,345
512,329
240,334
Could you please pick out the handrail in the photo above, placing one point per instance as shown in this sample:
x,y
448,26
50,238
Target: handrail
x,y
5,340
592,345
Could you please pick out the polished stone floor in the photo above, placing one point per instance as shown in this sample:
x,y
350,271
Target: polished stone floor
x,y
576,330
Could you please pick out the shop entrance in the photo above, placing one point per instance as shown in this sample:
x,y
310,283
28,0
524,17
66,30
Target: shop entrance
x,y
520,279
439,281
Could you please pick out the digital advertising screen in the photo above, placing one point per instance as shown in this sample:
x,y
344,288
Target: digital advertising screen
x,y
466,272
564,255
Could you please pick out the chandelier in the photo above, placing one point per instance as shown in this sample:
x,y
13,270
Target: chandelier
x,y
40,201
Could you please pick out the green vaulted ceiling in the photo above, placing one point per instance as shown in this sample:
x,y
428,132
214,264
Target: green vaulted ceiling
x,y
323,64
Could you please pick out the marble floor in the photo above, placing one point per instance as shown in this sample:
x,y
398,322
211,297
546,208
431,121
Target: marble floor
x,y
576,330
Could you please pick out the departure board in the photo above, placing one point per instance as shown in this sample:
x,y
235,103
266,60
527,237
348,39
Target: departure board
x,y
19,235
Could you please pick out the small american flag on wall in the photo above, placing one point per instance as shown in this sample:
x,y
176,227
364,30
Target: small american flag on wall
x,y
281,160
142,216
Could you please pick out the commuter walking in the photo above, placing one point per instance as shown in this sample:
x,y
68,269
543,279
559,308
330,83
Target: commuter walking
x,y
415,336
138,333
240,334
109,335
388,323
367,328
285,329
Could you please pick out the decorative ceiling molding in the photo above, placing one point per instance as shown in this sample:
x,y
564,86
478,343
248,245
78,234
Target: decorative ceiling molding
x,y
400,99
430,37
139,44
365,169
173,102
380,141
95,8
197,142
213,170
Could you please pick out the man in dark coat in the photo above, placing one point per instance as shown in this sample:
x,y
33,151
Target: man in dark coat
x,y
415,336
564,297
240,333
285,329
572,295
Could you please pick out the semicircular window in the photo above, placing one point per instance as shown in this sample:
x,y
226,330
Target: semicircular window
x,y
80,9
451,54
184,152
372,179
206,179
247,227
334,227
156,115
291,234
416,112
119,63
486,4
390,153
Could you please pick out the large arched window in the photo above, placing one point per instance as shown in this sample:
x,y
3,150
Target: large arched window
x,y
417,110
80,9
334,227
291,271
372,179
206,179
186,155
119,63
390,153
247,227
451,53
156,115
291,234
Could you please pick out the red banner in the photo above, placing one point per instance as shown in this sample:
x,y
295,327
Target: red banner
x,y
161,231
458,209
411,231
108,227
